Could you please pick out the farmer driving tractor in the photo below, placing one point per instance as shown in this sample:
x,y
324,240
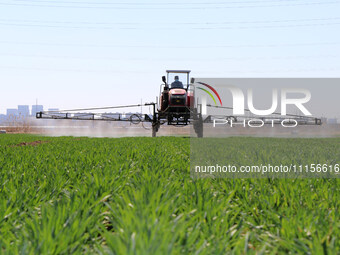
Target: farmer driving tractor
x,y
177,83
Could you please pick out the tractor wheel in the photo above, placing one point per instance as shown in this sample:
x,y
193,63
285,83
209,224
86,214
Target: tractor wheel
x,y
199,132
155,128
170,118
198,125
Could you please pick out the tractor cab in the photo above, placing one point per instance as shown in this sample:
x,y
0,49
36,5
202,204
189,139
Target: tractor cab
x,y
178,78
174,92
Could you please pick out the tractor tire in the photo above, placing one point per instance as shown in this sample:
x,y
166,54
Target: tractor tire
x,y
155,128
199,126
154,131
200,132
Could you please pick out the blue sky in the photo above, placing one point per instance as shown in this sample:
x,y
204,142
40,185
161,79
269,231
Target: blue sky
x,y
86,53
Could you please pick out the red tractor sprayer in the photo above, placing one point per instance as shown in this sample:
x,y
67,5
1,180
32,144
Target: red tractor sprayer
x,y
178,106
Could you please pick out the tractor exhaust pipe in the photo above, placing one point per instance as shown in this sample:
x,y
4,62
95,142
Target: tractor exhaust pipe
x,y
164,80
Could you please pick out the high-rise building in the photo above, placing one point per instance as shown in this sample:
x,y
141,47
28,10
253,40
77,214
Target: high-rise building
x,y
332,121
2,118
12,112
37,108
23,110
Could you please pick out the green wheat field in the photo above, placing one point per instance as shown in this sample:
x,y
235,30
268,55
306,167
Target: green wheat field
x,y
68,195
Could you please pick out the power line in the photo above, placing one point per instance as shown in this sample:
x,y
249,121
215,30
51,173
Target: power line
x,y
269,45
269,26
195,7
157,3
171,59
59,26
243,71
176,23
59,69
169,28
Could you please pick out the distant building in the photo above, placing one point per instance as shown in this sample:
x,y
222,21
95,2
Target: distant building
x,y
23,110
12,112
37,108
3,118
332,121
53,110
